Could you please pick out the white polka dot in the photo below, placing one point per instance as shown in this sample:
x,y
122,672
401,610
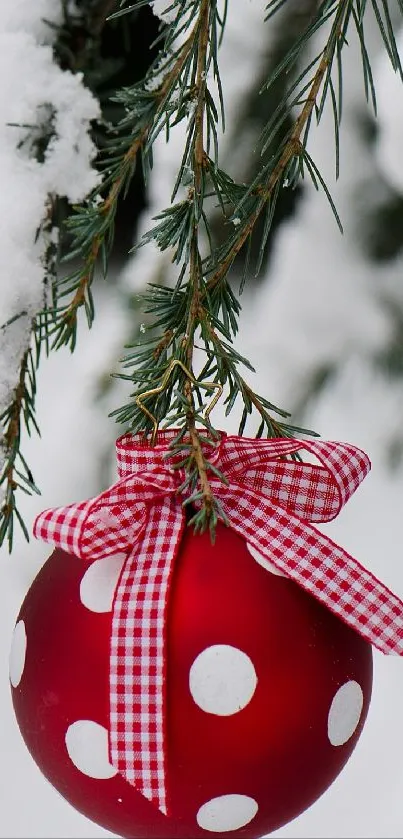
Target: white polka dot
x,y
345,713
227,812
87,746
222,680
98,584
265,563
17,653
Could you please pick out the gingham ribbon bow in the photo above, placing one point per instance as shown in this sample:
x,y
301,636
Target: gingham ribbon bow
x,y
269,500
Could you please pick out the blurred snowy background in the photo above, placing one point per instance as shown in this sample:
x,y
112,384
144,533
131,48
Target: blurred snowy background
x,y
323,325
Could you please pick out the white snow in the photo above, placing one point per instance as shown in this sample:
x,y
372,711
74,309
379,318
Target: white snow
x,y
167,10
32,88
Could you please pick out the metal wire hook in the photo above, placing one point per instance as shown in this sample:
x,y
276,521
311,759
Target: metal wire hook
x,y
165,379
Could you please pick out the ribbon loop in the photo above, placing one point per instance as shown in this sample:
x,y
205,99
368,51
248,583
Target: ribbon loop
x,y
316,493
323,569
347,466
270,500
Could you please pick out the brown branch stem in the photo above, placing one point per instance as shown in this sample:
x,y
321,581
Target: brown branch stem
x,y
12,434
195,269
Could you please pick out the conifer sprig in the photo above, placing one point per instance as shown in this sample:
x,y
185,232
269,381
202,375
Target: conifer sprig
x,y
202,306
16,475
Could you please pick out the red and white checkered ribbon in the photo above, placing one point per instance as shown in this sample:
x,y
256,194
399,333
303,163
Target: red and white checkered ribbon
x,y
269,500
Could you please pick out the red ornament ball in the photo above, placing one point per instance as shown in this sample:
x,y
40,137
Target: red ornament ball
x,y
267,692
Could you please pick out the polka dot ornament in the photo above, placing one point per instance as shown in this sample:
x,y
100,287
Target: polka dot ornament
x,y
261,680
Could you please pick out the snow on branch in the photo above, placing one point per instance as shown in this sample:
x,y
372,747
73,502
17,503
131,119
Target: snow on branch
x,y
45,152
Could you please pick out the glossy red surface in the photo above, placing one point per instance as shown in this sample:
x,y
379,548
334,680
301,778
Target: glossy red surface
x,y
276,750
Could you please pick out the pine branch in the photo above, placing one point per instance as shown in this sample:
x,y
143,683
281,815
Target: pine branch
x,y
201,312
16,474
92,226
196,276
294,149
202,301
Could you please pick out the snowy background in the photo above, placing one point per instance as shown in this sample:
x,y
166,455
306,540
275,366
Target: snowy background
x,y
323,305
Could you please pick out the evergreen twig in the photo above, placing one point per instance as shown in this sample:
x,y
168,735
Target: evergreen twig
x,y
195,271
16,474
93,225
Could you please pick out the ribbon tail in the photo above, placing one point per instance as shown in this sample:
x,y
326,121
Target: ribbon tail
x,y
322,568
138,655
